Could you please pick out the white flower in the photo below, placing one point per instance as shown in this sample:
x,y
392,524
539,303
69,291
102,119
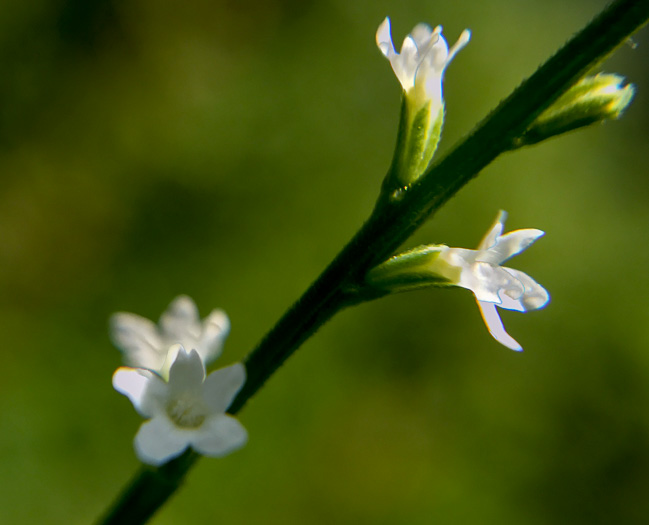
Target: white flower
x,y
187,411
145,344
477,270
495,285
421,63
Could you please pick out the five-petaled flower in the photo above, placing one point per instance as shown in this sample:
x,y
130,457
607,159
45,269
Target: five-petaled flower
x,y
423,58
188,410
146,345
495,285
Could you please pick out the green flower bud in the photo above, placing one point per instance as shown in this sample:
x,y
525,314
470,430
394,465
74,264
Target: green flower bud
x,y
417,268
591,100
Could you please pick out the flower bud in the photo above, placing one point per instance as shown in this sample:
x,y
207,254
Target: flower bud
x,y
591,100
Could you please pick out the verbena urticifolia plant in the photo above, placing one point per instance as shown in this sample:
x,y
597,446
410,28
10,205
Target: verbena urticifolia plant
x,y
190,413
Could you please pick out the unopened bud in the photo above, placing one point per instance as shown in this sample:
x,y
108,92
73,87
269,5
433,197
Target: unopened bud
x,y
591,100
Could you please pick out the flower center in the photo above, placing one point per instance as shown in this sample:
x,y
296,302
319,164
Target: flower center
x,y
186,412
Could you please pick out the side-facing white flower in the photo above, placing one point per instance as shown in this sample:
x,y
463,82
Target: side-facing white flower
x,y
420,68
477,270
145,344
423,58
186,411
495,285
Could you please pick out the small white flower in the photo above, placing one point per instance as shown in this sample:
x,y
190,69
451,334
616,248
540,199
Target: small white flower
x,y
421,63
145,344
187,411
495,285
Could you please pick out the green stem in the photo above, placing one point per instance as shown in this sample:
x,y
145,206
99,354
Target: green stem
x,y
391,223
148,491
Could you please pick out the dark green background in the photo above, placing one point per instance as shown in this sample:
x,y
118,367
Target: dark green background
x,y
227,150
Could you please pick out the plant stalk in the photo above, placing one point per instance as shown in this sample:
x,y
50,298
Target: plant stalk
x,y
390,224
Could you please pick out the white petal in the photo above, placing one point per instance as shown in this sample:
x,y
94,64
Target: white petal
x,y
159,441
133,383
510,244
137,338
462,41
509,302
409,49
169,360
494,232
145,389
495,326
384,38
180,322
222,385
534,295
149,360
459,257
439,52
216,328
186,373
406,63
219,435
432,80
422,34
428,71
489,282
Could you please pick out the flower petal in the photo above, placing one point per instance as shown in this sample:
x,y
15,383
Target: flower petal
x,y
187,372
384,38
463,40
494,232
137,338
533,297
422,35
489,282
438,52
180,322
148,396
170,358
405,64
216,328
219,435
159,441
222,385
510,244
495,326
135,383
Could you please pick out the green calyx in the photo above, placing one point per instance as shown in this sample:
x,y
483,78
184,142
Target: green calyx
x,y
420,128
420,267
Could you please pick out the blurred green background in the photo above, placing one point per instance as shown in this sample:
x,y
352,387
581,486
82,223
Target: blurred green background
x,y
227,150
